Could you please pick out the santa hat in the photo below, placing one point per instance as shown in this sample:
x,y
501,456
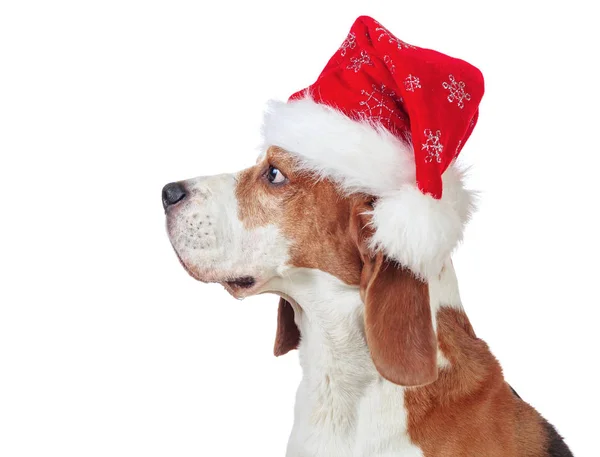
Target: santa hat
x,y
389,119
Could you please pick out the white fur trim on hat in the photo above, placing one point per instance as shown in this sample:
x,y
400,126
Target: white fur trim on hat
x,y
412,228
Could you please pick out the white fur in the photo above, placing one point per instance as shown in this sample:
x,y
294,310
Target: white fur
x,y
342,404
415,229
344,408
209,237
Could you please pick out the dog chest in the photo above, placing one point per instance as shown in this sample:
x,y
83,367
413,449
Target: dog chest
x,y
332,419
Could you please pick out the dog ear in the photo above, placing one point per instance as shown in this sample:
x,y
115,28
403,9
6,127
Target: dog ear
x,y
287,337
398,324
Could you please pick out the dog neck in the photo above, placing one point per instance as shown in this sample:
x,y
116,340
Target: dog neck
x,y
330,317
343,405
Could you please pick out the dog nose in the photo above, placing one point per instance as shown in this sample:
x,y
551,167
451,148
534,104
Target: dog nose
x,y
172,193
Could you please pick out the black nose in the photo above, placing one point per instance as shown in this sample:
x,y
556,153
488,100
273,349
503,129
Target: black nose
x,y
172,193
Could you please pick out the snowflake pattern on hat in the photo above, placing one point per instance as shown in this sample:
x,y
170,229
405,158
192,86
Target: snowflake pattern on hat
x,y
358,62
390,63
376,106
432,146
411,83
349,43
385,33
457,91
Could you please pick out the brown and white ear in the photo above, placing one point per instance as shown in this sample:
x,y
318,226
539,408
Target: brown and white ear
x,y
287,337
398,323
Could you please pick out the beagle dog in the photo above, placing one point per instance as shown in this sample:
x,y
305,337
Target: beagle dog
x,y
360,321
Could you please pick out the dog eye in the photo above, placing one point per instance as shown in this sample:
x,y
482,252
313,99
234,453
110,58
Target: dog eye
x,y
275,176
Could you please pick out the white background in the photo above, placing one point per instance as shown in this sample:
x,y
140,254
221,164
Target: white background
x,y
107,347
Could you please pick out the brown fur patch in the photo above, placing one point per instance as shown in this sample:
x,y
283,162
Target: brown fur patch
x,y
398,325
258,205
312,214
287,337
470,410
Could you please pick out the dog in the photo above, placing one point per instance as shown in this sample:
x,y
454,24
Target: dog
x,y
271,228
391,364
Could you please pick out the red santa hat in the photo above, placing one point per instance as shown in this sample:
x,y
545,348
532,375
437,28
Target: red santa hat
x,y
389,119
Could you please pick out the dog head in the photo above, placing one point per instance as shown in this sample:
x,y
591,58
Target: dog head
x,y
251,230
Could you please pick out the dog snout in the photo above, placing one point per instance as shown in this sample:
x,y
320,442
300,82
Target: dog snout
x,y
173,193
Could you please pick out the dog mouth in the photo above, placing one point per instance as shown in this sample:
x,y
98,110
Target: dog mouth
x,y
243,282
240,287
237,284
